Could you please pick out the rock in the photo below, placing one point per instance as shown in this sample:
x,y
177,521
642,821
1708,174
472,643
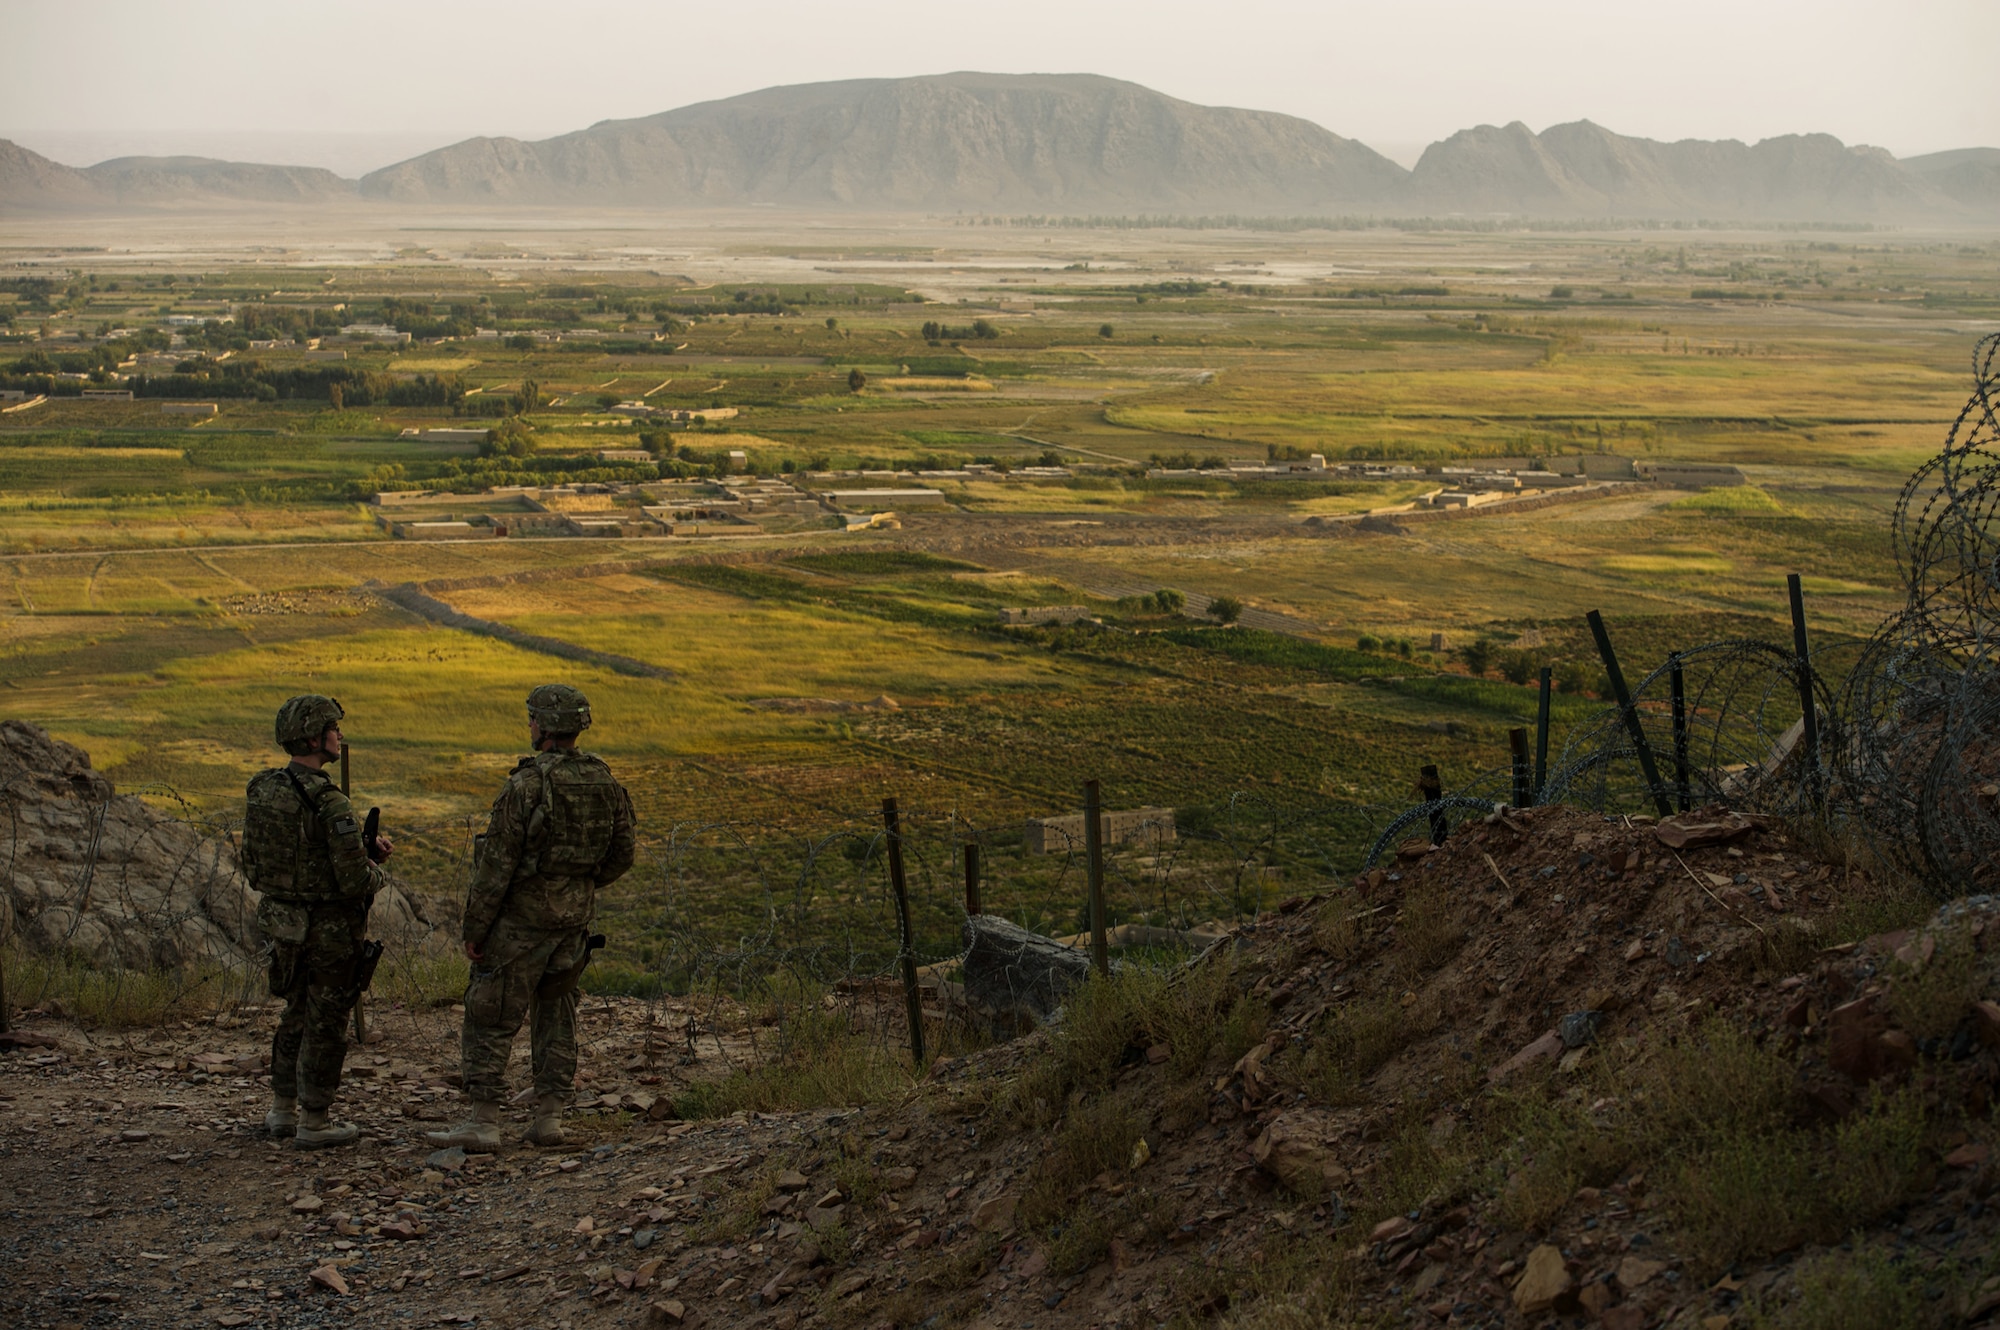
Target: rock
x,y
790,1181
402,1229
1294,1149
820,1218
1580,1028
1986,1017
1159,1053
450,1159
667,1311
995,1214
1392,1228
234,1318
1637,1272
1627,1317
1862,1047
1547,1048
1703,827
1970,1155
135,1135
163,893
1637,950
852,1284
307,1205
898,1179
1594,1297
1544,1280
329,1277
831,1201
1141,1152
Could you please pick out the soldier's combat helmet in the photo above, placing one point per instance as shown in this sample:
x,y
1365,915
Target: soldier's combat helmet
x,y
303,719
559,709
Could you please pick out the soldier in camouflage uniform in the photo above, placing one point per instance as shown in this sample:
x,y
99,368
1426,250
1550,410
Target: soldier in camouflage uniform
x,y
560,830
303,853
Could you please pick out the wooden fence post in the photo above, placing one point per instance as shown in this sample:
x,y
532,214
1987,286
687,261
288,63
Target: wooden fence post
x,y
1093,847
972,878
912,999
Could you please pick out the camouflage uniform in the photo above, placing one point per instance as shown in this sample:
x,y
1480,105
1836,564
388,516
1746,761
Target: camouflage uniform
x,y
303,853
560,830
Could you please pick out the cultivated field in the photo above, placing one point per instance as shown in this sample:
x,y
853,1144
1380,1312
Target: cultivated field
x,y
169,579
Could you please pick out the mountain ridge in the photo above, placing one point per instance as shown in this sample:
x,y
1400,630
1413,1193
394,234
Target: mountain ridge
x,y
1063,143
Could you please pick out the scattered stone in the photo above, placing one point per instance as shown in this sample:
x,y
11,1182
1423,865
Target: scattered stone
x,y
1580,1028
1626,1317
1637,950
1636,1272
1549,1046
1704,827
1294,1149
1545,1279
820,1218
307,1205
1159,1053
329,1277
135,1134
832,1199
995,1214
1595,1298
402,1229
1970,1155
791,1180
667,1311
451,1159
854,1283
897,1179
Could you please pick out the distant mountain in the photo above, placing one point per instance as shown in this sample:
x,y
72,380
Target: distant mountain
x,y
30,181
1018,143
171,179
1970,175
1065,143
1584,170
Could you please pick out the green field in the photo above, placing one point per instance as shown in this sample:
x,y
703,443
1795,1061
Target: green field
x,y
168,581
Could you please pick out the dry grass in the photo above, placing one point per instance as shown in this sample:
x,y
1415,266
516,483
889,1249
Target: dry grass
x,y
1430,930
1356,1039
122,998
1868,1290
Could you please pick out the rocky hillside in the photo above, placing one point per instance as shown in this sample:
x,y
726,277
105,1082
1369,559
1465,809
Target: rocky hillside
x,y
1564,1069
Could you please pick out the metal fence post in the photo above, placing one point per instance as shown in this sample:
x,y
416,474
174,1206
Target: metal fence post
x,y
1809,738
1430,786
1524,789
1093,848
1678,679
1631,714
1542,738
892,822
972,877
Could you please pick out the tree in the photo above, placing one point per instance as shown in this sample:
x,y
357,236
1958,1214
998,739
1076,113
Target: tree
x,y
856,380
1517,666
336,398
1169,601
1478,656
1104,330
1573,676
831,323
1225,609
531,395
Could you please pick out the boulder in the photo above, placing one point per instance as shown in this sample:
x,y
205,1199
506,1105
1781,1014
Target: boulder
x,y
1295,1148
1545,1279
117,883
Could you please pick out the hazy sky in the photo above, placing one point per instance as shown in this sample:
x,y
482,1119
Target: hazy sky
x,y
360,83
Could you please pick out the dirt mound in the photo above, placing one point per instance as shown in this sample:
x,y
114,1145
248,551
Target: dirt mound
x,y
117,883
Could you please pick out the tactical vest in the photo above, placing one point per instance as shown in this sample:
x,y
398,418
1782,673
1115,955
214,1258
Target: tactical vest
x,y
570,827
285,852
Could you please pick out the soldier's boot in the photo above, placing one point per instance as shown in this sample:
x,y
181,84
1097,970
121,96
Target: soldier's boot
x,y
315,1131
478,1134
546,1126
283,1119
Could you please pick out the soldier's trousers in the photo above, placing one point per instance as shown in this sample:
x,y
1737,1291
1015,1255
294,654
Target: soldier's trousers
x,y
526,972
316,980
